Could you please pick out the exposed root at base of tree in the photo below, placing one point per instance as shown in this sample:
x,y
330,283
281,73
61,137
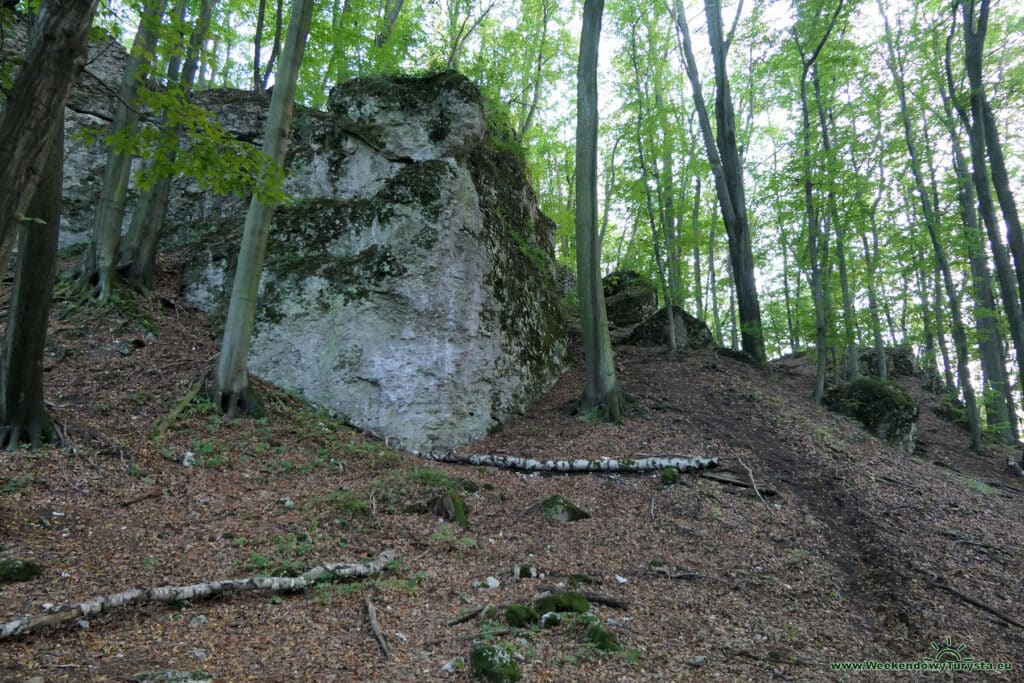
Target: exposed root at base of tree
x,y
139,596
242,402
34,434
580,465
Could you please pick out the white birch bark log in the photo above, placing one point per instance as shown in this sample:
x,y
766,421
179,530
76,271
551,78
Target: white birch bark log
x,y
578,465
197,591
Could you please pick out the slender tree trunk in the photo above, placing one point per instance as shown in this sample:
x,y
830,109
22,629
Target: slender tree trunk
x,y
959,334
230,384
1007,203
276,46
723,155
974,41
257,47
667,182
940,332
23,415
138,261
695,224
34,111
601,390
393,10
713,286
999,412
97,272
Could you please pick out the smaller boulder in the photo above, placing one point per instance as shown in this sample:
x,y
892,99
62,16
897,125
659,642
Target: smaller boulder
x,y
899,361
561,509
16,571
886,409
691,332
629,298
493,663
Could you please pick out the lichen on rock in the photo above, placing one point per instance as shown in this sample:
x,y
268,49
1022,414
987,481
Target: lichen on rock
x,y
395,292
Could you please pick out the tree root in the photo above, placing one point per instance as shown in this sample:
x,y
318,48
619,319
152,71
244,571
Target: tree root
x,y
138,596
33,434
579,465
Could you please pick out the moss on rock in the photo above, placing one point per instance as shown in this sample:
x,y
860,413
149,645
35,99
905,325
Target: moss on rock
x,y
16,571
886,409
521,615
561,509
493,663
568,601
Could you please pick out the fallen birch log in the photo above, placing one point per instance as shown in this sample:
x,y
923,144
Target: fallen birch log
x,y
578,465
196,591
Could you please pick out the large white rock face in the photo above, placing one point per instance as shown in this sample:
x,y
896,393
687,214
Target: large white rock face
x,y
409,285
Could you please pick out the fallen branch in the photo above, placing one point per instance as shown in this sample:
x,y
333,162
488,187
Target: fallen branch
x,y
138,596
578,465
371,616
169,419
940,583
475,636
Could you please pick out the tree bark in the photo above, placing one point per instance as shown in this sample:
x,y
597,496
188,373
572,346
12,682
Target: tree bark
x,y
895,65
601,389
723,155
97,272
23,415
229,388
139,253
34,112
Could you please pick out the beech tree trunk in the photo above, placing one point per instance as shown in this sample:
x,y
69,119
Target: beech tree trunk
x,y
723,155
34,111
895,65
23,416
139,252
601,388
97,272
229,388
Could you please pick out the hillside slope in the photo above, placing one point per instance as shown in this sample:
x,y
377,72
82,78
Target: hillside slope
x,y
835,558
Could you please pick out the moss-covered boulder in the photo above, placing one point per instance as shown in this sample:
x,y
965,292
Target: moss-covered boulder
x,y
629,298
885,408
561,509
567,601
16,571
493,663
900,361
410,285
691,332
521,615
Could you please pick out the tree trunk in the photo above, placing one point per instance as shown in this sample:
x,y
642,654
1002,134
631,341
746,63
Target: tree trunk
x,y
23,416
276,46
34,111
695,222
1000,415
257,47
97,272
713,285
601,390
388,23
895,65
1007,203
723,156
138,259
230,386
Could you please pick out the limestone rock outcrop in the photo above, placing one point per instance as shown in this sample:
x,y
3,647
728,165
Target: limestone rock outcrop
x,y
410,284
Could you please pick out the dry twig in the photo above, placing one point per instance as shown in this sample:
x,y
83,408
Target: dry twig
x,y
371,616
753,484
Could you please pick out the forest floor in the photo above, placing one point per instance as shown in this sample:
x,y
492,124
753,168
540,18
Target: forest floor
x,y
847,551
